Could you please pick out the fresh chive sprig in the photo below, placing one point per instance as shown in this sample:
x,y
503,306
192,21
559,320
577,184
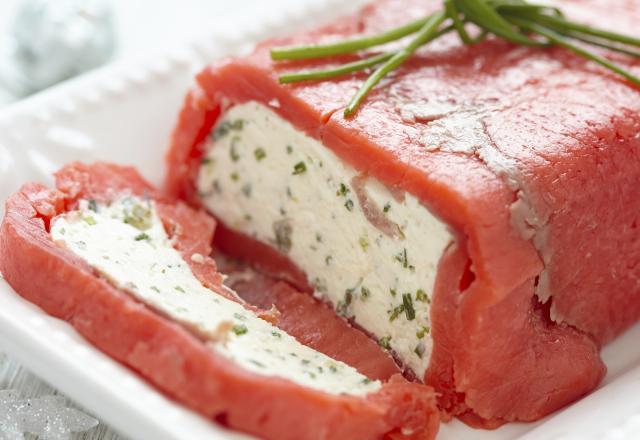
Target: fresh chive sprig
x,y
428,32
347,46
337,71
517,21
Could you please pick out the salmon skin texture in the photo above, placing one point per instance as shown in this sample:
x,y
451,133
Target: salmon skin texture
x,y
534,163
165,353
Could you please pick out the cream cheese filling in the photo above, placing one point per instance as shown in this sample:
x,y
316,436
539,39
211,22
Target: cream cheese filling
x,y
373,255
126,243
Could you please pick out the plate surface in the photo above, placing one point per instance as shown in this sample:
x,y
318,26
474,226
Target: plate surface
x,y
124,113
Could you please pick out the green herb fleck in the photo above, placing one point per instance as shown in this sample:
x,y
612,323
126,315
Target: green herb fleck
x,y
420,349
246,189
386,208
142,236
364,243
311,374
233,152
393,292
155,289
216,186
366,381
138,216
283,232
404,260
89,220
422,296
257,363
225,127
343,307
299,168
396,312
93,205
407,302
305,361
333,368
235,177
364,292
240,329
328,259
248,217
422,332
259,154
206,161
319,285
385,342
318,237
239,316
349,205
179,289
343,190
289,149
276,334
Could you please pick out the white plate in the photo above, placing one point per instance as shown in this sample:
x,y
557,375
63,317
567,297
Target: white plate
x,y
124,113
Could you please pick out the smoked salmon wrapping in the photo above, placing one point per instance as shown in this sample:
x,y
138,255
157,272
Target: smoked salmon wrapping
x,y
528,156
169,355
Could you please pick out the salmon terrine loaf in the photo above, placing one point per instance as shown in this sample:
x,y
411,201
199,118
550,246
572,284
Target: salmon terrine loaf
x,y
478,215
131,272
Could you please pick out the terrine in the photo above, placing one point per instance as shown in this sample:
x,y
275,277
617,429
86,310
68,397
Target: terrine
x,y
130,270
478,215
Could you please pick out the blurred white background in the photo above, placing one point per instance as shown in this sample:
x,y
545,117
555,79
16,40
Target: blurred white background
x,y
146,26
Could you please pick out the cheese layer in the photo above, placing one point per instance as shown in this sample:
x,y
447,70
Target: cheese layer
x,y
127,244
373,255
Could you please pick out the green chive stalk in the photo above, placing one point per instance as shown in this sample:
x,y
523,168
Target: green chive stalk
x,y
517,21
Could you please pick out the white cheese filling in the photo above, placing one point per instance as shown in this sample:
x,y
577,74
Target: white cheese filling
x,y
127,244
375,261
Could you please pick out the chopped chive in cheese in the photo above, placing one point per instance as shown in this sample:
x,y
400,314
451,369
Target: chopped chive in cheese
x,y
299,168
146,265
364,242
385,342
141,236
382,280
343,190
407,302
246,189
227,127
240,329
259,153
349,205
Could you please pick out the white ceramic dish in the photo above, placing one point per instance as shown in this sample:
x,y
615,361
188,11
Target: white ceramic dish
x,y
124,113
